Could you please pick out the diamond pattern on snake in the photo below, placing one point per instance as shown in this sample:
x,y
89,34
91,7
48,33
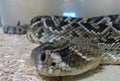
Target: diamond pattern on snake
x,y
71,46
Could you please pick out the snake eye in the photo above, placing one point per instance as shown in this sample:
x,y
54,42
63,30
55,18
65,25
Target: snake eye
x,y
64,52
43,57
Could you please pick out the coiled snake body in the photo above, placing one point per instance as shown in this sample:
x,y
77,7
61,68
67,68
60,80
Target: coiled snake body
x,y
71,46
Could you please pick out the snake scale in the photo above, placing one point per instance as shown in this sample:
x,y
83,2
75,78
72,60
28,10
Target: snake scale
x,y
71,46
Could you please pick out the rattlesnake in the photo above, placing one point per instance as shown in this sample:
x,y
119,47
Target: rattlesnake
x,y
71,46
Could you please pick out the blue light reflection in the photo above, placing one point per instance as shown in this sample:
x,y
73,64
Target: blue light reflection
x,y
69,14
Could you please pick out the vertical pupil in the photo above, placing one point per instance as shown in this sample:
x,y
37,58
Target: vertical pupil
x,y
43,56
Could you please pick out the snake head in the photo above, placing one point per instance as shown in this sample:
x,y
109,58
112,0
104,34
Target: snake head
x,y
49,60
66,58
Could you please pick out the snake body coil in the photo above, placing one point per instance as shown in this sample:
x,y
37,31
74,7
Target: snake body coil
x,y
71,46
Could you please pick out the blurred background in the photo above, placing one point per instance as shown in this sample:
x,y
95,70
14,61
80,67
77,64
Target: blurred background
x,y
15,50
12,11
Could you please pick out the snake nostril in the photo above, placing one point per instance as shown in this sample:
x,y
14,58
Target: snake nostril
x,y
43,57
53,64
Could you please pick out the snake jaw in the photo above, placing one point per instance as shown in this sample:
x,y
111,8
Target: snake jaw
x,y
65,67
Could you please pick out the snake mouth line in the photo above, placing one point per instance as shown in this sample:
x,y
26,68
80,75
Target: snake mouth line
x,y
53,68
